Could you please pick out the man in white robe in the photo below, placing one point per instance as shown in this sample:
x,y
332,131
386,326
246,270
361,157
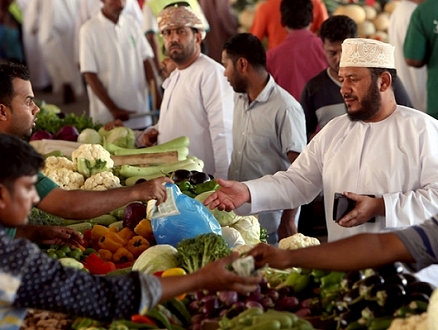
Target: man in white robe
x,y
378,148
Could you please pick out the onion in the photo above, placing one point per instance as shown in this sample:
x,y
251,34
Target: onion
x,y
41,135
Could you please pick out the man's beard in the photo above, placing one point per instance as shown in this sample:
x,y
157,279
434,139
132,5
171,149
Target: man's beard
x,y
181,57
371,104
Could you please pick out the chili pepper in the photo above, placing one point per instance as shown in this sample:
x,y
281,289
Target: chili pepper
x,y
144,228
206,186
137,244
334,278
184,185
126,233
137,318
111,241
123,255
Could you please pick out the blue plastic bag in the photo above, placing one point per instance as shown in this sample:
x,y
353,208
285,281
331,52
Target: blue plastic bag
x,y
181,217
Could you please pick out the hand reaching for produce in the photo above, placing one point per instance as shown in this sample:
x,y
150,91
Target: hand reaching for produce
x,y
51,235
213,277
122,114
152,189
229,196
265,254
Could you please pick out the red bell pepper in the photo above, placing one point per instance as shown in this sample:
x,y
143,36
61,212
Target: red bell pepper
x,y
97,265
137,318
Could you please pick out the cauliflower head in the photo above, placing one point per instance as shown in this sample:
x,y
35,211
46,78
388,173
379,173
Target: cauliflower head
x,y
53,163
297,241
102,181
65,178
413,322
90,159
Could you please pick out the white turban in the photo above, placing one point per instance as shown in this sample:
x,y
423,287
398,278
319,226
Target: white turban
x,y
367,53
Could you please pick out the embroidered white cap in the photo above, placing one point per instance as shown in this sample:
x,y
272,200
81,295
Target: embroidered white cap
x,y
367,53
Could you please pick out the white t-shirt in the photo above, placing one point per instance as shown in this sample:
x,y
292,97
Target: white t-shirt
x,y
116,52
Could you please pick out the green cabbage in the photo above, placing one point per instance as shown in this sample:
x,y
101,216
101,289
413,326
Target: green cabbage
x,y
157,258
90,136
249,227
119,136
223,217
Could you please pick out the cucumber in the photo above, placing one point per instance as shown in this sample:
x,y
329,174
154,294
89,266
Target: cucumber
x,y
182,152
132,180
81,227
270,324
175,144
104,220
117,224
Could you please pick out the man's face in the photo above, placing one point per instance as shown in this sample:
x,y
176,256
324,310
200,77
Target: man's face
x,y
180,43
361,94
333,51
20,117
113,8
16,203
235,79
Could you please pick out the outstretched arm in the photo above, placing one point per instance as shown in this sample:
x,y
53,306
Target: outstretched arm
x,y
230,195
84,204
353,253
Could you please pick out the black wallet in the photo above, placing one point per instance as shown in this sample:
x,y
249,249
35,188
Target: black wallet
x,y
342,205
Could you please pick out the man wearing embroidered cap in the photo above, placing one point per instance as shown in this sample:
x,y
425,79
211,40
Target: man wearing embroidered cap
x,y
197,101
378,148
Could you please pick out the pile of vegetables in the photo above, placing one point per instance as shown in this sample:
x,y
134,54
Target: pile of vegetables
x,y
53,124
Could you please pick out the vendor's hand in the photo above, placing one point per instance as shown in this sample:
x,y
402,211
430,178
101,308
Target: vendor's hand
x,y
122,114
113,124
147,138
269,255
365,209
216,277
57,235
153,189
229,196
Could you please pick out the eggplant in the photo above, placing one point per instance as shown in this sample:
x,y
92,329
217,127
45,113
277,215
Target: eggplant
x,y
351,278
410,278
133,214
367,284
420,287
392,297
417,296
390,269
346,318
228,298
289,304
352,296
397,279
199,177
181,175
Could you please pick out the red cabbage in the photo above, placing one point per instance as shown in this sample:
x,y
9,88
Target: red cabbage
x,y
133,214
67,133
41,135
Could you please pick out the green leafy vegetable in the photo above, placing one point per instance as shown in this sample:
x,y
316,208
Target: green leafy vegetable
x,y
39,217
119,136
195,253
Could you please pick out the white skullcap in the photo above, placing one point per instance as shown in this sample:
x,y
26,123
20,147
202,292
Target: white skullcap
x,y
367,53
180,16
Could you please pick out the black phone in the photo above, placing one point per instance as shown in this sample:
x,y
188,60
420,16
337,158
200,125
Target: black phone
x,y
342,205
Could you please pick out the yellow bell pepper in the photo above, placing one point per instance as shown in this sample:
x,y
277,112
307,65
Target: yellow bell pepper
x,y
123,255
144,228
126,233
137,245
111,241
106,255
98,231
176,271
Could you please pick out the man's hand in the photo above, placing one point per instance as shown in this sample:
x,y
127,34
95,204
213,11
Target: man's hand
x,y
153,189
230,196
148,138
265,254
113,124
56,235
365,209
122,114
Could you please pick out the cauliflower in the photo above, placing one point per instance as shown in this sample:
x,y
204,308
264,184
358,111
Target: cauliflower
x,y
432,309
61,170
413,322
65,178
249,227
53,162
102,181
297,241
90,159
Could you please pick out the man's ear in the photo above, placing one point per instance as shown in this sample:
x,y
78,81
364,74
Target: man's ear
x,y
385,81
3,112
3,192
242,64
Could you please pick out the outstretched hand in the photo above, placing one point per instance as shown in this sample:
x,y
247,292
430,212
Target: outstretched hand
x,y
229,196
50,235
366,208
153,189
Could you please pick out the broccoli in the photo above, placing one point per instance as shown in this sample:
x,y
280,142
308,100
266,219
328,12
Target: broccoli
x,y
195,253
39,217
